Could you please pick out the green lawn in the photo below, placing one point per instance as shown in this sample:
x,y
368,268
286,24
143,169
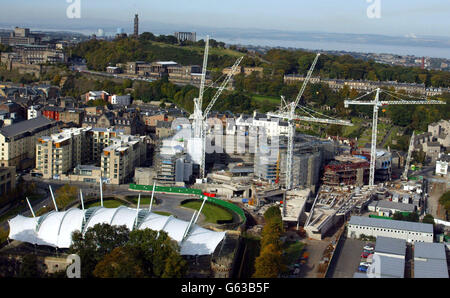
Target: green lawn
x,y
144,200
211,212
106,204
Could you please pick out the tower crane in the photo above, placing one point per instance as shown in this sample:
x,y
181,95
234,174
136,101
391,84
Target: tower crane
x,y
287,111
408,159
199,116
377,103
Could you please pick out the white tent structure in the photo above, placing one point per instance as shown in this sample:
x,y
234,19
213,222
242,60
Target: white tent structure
x,y
55,228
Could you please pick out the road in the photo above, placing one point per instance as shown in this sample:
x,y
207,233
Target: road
x,y
167,202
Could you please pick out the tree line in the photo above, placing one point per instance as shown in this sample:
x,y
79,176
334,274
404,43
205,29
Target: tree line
x,y
269,263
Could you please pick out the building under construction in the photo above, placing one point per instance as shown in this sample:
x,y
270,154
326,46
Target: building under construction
x,y
333,205
309,155
346,170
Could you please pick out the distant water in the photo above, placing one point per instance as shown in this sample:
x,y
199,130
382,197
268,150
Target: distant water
x,y
418,51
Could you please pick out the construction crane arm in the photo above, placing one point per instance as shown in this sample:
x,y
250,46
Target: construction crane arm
x,y
205,63
399,102
222,87
325,121
305,83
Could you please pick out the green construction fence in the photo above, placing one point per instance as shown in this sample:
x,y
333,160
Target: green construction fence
x,y
191,191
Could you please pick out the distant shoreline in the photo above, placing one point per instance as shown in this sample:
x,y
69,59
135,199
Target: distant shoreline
x,y
366,47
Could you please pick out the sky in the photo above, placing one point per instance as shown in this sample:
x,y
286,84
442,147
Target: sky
x,y
398,17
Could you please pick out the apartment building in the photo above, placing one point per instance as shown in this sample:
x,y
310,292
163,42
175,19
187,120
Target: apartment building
x,y
75,154
60,153
364,86
119,160
18,141
102,138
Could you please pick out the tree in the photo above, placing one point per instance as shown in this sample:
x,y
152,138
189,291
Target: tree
x,y
334,130
419,157
412,216
175,267
272,214
66,194
444,200
29,267
9,267
397,216
97,242
118,264
157,252
269,264
428,219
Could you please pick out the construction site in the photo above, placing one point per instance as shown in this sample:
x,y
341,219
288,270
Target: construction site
x,y
346,170
332,207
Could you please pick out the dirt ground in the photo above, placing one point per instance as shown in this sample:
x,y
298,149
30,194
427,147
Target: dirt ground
x,y
436,190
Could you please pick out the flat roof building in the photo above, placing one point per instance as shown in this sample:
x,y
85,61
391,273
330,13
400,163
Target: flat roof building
x,y
430,260
390,247
409,231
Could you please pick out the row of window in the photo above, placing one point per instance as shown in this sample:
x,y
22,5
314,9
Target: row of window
x,y
390,230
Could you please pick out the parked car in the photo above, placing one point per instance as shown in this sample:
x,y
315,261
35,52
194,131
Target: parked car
x,y
365,255
364,264
363,268
369,246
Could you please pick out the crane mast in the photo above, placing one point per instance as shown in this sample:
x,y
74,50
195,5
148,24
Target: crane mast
x,y
208,109
408,159
287,111
198,102
376,105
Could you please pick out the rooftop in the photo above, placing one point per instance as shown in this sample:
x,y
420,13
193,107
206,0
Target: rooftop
x,y
390,246
25,126
391,224
394,205
430,251
390,267
430,268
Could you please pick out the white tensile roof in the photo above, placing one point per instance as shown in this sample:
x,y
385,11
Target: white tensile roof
x,y
56,228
